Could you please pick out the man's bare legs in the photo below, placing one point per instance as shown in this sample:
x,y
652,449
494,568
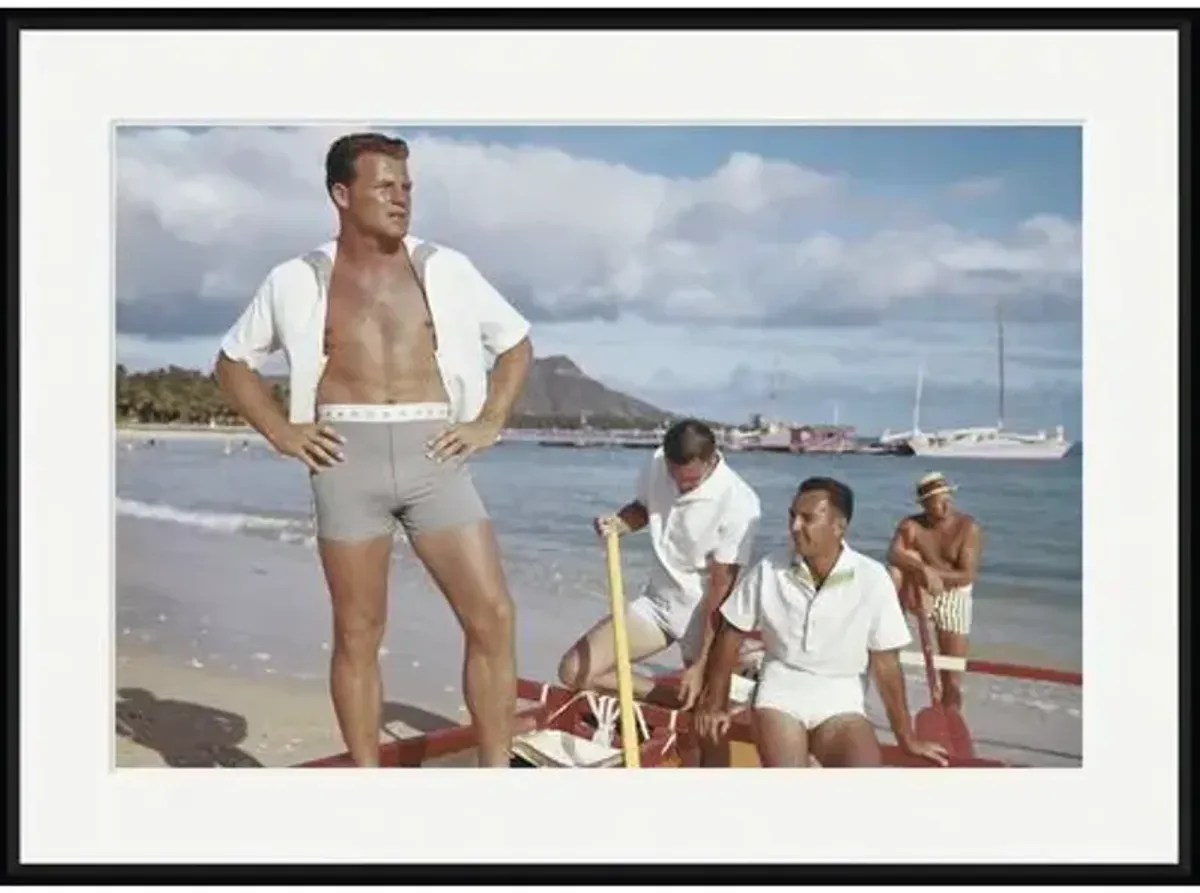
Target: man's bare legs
x,y
843,741
954,645
465,564
357,576
948,643
846,741
590,662
781,740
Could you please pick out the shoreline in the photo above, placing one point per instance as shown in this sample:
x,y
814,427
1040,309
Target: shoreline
x,y
139,433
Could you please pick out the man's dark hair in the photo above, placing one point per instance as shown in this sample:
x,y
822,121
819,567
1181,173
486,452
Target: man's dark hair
x,y
687,441
344,152
840,496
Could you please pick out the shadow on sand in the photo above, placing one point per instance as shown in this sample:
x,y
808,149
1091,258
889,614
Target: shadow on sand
x,y
184,734
189,735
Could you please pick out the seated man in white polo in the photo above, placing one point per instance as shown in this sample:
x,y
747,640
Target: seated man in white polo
x,y
702,517
828,614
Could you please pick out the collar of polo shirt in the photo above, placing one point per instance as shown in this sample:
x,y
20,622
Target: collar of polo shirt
x,y
842,571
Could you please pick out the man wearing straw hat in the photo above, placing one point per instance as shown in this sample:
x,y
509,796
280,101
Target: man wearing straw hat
x,y
702,518
933,559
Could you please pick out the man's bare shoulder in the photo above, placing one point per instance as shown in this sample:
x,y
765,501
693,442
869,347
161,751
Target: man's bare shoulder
x,y
968,524
910,524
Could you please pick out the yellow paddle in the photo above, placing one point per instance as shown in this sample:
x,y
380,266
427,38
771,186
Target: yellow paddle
x,y
616,592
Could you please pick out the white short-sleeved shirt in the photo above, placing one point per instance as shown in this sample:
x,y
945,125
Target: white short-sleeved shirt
x,y
469,317
718,519
828,631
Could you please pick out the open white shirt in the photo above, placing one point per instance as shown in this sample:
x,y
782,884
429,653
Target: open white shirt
x,y
827,631
469,317
717,519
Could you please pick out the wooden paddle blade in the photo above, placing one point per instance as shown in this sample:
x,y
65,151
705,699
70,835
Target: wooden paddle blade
x,y
930,725
958,736
946,727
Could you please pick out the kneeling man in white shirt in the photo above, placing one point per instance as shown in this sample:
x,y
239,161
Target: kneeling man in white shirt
x,y
702,518
827,615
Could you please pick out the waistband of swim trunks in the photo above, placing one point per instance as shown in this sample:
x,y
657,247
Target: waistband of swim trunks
x,y
383,412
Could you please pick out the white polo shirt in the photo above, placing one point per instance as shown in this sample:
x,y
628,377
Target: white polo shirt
x,y
719,519
827,631
469,316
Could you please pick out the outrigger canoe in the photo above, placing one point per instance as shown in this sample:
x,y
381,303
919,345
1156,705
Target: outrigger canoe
x,y
558,728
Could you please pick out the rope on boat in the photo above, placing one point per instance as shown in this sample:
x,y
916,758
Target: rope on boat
x,y
559,747
607,711
671,738
563,709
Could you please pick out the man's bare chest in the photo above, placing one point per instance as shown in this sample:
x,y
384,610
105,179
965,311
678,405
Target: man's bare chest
x,y
940,546
394,305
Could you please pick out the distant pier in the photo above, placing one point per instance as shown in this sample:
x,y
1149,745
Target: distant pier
x,y
614,440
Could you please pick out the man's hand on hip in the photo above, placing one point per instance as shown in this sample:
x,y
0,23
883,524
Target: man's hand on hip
x,y
463,440
316,445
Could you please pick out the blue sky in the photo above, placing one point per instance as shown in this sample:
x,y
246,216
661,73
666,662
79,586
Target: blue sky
x,y
803,271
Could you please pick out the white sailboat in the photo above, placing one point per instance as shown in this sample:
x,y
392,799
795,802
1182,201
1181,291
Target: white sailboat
x,y
891,438
992,442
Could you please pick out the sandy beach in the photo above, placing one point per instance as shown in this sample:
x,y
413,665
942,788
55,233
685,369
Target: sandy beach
x,y
188,715
223,650
212,668
169,714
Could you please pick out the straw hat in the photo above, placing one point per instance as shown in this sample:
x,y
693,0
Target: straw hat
x,y
932,484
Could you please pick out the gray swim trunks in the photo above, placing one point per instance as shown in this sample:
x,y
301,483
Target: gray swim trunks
x,y
385,477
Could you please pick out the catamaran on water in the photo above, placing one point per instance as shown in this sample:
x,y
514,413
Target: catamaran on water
x,y
980,442
990,443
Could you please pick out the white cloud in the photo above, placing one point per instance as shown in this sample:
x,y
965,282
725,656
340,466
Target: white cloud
x,y
202,215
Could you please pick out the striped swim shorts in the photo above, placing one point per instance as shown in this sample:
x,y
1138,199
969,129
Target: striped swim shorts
x,y
951,611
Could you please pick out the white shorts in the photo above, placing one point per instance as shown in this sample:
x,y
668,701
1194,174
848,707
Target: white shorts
x,y
677,622
951,611
808,698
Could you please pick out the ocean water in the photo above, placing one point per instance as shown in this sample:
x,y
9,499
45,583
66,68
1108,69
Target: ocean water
x,y
542,500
